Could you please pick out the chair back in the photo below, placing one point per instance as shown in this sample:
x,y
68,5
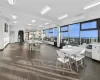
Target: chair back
x,y
83,51
60,54
79,53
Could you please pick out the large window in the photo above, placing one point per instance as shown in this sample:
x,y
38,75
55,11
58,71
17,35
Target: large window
x,y
64,29
74,34
55,34
88,35
64,34
50,30
51,34
46,32
89,25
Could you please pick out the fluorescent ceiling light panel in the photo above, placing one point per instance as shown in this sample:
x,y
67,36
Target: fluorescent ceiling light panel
x,y
33,21
12,2
92,5
62,17
45,10
14,17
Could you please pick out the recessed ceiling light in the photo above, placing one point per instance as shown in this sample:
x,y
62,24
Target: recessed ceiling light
x,y
14,17
62,17
92,5
46,23
33,21
45,10
29,24
12,2
15,22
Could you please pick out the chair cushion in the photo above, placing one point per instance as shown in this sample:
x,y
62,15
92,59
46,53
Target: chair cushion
x,y
63,60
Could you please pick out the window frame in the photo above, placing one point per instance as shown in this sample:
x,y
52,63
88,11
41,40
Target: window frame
x,y
65,30
49,30
89,28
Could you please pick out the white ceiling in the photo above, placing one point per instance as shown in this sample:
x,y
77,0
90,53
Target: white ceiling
x,y
26,10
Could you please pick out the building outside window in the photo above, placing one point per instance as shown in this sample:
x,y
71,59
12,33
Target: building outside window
x,y
89,32
51,34
64,34
74,34
46,32
55,34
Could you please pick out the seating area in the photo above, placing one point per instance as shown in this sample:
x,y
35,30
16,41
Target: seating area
x,y
74,54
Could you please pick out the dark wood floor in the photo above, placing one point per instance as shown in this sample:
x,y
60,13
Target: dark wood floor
x,y
18,63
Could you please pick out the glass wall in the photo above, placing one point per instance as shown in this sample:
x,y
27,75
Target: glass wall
x,y
88,35
46,32
55,34
64,34
50,34
74,34
89,25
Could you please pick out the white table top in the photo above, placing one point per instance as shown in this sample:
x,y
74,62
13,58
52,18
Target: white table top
x,y
34,42
71,51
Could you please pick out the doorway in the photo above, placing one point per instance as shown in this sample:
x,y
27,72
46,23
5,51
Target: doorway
x,y
21,36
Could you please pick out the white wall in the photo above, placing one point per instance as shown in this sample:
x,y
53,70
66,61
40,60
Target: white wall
x,y
16,29
4,36
1,32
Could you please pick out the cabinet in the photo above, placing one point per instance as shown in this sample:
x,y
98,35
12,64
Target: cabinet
x,y
96,52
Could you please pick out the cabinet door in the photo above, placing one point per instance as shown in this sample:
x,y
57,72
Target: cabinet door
x,y
95,52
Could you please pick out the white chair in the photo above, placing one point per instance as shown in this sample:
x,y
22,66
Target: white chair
x,y
79,57
61,57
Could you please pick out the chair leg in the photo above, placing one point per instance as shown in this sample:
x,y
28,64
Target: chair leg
x,y
82,63
56,65
63,68
76,66
70,66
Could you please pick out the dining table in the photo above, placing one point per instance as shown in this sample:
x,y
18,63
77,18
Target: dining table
x,y
32,43
71,51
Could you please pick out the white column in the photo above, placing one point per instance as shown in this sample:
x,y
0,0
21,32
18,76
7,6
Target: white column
x,y
58,37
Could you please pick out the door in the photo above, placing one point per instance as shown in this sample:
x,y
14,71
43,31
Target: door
x,y
21,36
12,36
